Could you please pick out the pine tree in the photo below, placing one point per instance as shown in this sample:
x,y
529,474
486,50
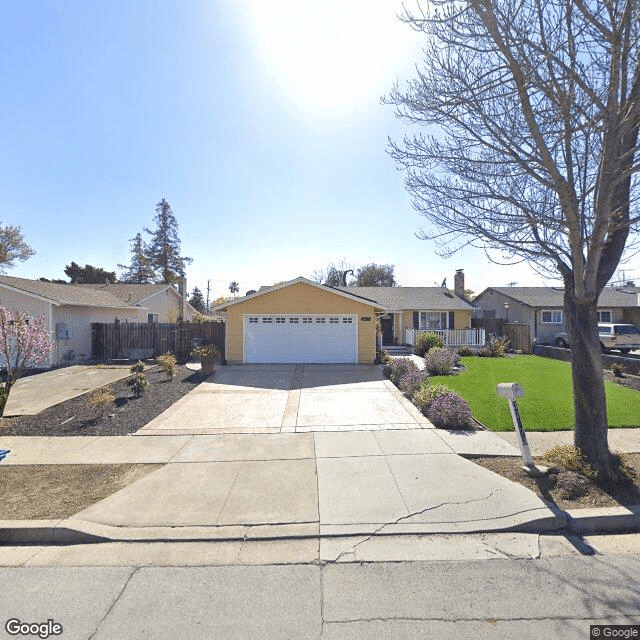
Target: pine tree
x,y
197,301
140,271
163,250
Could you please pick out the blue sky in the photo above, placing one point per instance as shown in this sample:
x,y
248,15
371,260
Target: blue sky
x,y
259,120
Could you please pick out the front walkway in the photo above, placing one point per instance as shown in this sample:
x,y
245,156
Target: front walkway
x,y
33,394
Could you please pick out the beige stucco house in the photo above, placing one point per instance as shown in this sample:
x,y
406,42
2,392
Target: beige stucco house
x,y
301,321
69,310
541,308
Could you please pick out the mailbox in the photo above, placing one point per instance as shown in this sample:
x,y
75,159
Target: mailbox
x,y
510,390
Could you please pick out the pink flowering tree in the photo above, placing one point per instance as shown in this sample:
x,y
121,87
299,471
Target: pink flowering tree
x,y
24,342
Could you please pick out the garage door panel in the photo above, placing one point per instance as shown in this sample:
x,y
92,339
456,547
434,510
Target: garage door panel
x,y
299,342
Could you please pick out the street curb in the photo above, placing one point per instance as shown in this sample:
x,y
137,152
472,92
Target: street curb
x,y
587,522
74,531
581,522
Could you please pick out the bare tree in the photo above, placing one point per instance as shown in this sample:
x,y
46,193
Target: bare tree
x,y
335,274
535,108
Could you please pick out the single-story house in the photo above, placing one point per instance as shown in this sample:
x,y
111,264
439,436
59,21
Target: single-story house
x,y
161,301
69,309
301,321
419,308
542,308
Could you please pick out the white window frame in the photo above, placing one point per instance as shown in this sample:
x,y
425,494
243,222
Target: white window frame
x,y
553,313
152,318
430,320
604,320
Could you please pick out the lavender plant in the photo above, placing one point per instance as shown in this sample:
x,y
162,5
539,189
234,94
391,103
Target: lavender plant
x,y
450,411
411,381
440,362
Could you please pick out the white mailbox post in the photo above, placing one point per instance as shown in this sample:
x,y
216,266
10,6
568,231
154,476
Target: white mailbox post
x,y
511,391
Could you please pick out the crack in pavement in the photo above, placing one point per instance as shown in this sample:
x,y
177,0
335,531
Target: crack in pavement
x,y
113,604
455,620
353,548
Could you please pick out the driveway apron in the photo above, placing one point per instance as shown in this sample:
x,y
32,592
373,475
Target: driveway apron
x,y
281,451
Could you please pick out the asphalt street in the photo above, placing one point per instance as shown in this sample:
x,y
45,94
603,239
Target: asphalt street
x,y
550,596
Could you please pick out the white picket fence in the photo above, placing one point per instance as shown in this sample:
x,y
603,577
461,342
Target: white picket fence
x,y
451,337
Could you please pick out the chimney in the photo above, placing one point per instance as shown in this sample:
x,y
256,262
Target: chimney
x,y
458,283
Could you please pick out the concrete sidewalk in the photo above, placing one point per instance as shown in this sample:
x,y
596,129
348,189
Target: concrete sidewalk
x,y
262,486
620,440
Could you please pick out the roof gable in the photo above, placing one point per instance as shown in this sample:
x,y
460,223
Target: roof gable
x,y
267,291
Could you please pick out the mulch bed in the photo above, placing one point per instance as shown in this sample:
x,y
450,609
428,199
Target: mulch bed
x,y
78,417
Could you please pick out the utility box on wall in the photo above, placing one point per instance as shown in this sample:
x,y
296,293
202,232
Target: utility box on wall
x,y
63,332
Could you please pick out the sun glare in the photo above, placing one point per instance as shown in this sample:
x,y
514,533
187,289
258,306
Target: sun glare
x,y
332,54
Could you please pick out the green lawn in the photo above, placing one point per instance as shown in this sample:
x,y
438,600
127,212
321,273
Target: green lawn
x,y
547,404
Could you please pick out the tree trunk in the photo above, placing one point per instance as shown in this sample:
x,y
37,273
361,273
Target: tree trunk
x,y
591,424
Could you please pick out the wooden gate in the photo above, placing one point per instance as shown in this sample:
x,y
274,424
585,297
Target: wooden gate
x,y
519,336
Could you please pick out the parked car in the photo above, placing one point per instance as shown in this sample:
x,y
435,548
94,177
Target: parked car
x,y
622,337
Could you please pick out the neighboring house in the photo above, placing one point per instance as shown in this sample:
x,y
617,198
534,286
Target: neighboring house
x,y
70,310
542,308
162,301
419,308
301,321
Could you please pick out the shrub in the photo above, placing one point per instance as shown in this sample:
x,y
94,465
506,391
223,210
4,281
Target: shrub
x,y
395,369
618,369
426,394
571,459
425,342
411,381
138,384
450,411
382,356
495,347
138,367
440,362
207,351
465,352
168,363
102,397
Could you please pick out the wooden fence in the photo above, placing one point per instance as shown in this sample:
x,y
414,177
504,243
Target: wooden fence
x,y
518,334
126,340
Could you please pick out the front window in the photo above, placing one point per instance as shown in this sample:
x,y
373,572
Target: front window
x,y
604,316
430,320
152,318
553,316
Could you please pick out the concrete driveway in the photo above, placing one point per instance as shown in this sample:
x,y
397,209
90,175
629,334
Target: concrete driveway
x,y
287,399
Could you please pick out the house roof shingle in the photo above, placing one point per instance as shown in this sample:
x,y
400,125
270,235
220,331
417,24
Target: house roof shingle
x,y
553,296
131,294
398,298
65,294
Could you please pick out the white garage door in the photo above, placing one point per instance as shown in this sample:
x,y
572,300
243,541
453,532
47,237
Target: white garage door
x,y
300,338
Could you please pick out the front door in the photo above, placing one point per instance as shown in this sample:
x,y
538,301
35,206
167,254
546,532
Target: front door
x,y
387,330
